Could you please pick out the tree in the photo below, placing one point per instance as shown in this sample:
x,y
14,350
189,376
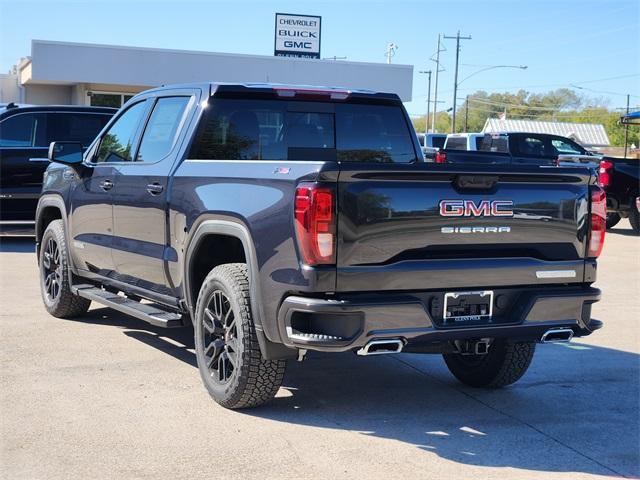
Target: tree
x,y
561,105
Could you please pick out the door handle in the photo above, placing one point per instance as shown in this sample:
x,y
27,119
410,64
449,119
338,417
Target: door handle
x,y
155,188
106,185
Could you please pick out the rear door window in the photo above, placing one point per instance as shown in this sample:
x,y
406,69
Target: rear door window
x,y
291,130
75,126
24,130
162,129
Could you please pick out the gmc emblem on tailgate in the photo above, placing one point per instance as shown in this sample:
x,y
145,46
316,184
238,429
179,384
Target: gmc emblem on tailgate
x,y
469,208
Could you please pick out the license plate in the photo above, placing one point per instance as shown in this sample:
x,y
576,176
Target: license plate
x,y
468,306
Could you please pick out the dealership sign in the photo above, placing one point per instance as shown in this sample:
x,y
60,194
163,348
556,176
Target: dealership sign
x,y
297,36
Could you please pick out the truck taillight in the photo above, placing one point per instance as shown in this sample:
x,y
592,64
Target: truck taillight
x,y
598,221
315,223
604,173
440,157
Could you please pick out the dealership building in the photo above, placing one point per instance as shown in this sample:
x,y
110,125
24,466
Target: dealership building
x,y
65,73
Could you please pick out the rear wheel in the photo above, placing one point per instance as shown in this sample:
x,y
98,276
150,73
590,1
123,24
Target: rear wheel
x,y
503,365
229,358
612,219
55,288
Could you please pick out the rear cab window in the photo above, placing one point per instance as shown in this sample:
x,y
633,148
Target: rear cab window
x,y
260,129
531,146
494,143
456,143
438,142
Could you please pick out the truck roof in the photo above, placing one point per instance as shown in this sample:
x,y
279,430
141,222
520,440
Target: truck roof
x,y
284,90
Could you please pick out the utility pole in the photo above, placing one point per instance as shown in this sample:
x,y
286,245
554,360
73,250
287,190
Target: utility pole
x,y
466,113
426,119
455,80
435,96
626,130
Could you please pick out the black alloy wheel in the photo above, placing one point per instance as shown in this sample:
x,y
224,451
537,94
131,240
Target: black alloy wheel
x,y
52,269
220,338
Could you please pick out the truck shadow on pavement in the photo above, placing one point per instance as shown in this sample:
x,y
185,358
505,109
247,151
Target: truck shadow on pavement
x,y
576,409
17,245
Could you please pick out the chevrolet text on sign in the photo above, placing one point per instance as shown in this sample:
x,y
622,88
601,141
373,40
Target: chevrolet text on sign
x,y
297,36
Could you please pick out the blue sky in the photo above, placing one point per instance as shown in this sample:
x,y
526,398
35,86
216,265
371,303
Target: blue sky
x,y
592,44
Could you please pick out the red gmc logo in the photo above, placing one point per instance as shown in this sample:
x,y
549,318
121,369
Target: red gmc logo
x,y
469,208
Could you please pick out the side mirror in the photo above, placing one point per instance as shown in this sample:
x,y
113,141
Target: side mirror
x,y
68,153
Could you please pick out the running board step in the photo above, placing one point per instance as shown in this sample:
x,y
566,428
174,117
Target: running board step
x,y
149,312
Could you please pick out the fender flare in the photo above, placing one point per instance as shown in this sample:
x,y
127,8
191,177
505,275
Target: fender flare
x,y
54,200
51,200
233,227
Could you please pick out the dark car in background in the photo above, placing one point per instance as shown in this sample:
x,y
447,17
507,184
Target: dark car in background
x,y
522,148
25,134
620,179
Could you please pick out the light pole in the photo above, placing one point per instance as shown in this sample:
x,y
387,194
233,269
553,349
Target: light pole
x,y
455,90
426,119
391,51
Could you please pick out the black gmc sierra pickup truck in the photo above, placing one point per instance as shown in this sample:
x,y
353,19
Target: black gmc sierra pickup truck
x,y
620,179
520,148
280,219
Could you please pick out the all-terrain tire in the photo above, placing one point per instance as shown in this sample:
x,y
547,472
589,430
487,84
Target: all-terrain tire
x,y
254,380
55,288
612,219
505,363
634,218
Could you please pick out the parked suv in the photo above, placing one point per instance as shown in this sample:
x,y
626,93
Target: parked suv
x,y
25,135
281,219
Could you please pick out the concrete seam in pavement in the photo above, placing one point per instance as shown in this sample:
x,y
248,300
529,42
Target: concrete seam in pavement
x,y
468,395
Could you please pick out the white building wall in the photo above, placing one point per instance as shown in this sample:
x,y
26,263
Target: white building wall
x,y
9,88
48,94
73,63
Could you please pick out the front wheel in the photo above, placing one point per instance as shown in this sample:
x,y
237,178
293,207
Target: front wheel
x,y
55,288
503,365
229,358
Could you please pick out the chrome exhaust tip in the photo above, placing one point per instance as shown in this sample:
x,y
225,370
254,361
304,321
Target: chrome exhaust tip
x,y
557,335
381,347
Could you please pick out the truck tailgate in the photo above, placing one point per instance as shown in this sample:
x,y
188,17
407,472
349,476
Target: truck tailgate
x,y
426,226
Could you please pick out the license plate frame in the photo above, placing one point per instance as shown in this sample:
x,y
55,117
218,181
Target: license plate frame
x,y
454,297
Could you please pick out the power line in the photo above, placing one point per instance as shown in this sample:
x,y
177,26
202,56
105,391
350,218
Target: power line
x,y
610,78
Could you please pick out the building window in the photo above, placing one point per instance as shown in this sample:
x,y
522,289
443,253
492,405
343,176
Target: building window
x,y
103,99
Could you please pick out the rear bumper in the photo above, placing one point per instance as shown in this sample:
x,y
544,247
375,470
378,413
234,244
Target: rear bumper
x,y
350,321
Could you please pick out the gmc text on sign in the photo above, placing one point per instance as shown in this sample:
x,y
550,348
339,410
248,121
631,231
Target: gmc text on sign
x,y
297,35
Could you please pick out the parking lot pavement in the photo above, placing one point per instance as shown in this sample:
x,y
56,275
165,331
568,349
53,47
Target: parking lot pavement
x,y
108,396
